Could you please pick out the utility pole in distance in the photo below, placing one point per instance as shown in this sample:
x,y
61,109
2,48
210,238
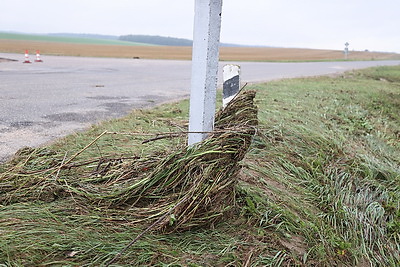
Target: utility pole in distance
x,y
205,55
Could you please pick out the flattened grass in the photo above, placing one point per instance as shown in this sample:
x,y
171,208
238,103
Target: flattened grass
x,y
319,186
330,156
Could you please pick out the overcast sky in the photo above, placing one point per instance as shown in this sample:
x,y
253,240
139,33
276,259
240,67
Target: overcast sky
x,y
365,24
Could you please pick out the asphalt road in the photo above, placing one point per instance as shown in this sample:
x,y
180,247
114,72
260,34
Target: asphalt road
x,y
40,102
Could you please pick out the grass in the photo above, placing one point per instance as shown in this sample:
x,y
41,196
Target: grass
x,y
319,186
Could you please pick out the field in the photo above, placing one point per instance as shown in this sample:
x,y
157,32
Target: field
x,y
113,48
61,39
319,185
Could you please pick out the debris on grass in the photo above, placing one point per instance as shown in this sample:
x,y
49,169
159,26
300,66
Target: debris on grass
x,y
195,185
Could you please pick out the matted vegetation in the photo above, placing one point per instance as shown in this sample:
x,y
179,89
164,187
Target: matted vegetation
x,y
319,185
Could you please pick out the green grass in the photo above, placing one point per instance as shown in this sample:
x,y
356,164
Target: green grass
x,y
332,147
320,185
69,40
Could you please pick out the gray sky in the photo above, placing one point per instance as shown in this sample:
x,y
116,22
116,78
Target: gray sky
x,y
365,24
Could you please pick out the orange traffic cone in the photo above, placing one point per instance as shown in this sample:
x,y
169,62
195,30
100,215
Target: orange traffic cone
x,y
26,57
38,56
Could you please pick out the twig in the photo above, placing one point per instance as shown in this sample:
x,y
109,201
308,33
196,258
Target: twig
x,y
86,147
80,152
62,163
161,133
177,134
172,135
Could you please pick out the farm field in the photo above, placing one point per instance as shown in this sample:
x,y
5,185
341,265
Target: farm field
x,y
65,39
119,49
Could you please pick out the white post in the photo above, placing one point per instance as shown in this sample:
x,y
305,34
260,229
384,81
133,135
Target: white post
x,y
206,34
346,50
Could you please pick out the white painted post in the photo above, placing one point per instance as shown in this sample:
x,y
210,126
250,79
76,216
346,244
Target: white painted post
x,y
231,86
206,34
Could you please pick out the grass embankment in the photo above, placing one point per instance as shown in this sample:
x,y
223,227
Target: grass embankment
x,y
320,185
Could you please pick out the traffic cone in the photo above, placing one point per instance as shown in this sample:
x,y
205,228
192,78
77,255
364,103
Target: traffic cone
x,y
38,56
26,57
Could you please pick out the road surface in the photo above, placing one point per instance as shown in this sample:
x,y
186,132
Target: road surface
x,y
40,102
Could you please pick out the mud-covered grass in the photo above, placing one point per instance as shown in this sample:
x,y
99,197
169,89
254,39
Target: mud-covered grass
x,y
320,185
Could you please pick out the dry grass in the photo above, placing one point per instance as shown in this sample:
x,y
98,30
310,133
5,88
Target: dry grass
x,y
184,53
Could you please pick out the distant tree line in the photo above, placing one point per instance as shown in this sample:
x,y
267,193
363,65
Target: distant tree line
x,y
156,40
146,39
85,35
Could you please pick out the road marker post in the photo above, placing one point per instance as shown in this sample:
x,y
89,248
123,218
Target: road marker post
x,y
231,85
26,57
205,55
346,51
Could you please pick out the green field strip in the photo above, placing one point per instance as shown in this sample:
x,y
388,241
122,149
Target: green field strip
x,y
72,40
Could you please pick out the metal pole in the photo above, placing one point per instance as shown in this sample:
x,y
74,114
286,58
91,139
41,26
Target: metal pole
x,y
206,34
